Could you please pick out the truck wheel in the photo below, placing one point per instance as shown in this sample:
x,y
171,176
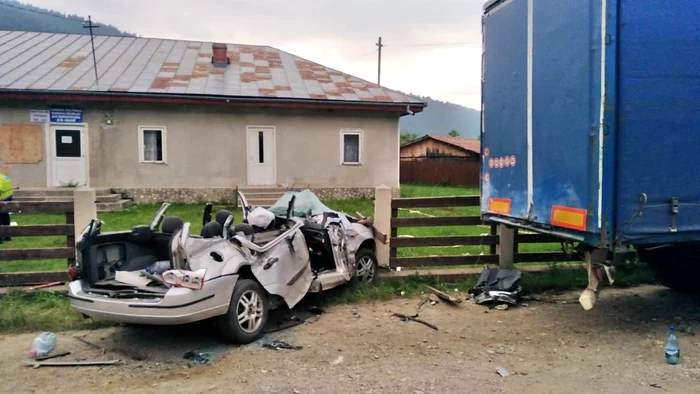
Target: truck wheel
x,y
247,314
366,266
676,267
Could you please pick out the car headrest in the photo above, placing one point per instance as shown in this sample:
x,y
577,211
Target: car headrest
x,y
244,228
222,215
211,230
171,224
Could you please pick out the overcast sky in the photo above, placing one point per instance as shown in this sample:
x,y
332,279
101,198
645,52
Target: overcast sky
x,y
433,47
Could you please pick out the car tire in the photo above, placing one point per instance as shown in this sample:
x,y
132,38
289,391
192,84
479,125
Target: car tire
x,y
243,331
366,267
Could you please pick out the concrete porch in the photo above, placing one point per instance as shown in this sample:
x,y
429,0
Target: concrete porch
x,y
106,199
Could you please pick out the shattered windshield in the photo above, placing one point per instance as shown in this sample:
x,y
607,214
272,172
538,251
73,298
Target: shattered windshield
x,y
305,201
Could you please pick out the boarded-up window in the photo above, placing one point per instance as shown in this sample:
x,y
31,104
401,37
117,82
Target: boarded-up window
x,y
21,144
351,147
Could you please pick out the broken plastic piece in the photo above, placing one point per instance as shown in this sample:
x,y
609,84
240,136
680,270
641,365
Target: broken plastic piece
x,y
275,345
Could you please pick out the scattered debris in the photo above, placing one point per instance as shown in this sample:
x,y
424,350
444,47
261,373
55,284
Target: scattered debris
x,y
285,324
656,386
501,307
415,319
316,310
276,345
337,361
355,314
496,285
46,285
43,344
197,357
444,296
422,301
42,358
70,363
503,372
92,345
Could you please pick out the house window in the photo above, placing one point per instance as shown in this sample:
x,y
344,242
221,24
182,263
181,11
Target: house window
x,y
351,146
152,143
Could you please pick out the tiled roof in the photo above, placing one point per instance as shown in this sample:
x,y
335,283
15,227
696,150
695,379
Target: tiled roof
x,y
469,144
63,62
461,142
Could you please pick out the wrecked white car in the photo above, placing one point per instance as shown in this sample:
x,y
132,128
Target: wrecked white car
x,y
162,274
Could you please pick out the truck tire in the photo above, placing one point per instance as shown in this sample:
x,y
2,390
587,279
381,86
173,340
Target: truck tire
x,y
676,266
249,301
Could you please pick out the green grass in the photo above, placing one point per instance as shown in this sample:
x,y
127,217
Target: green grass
x,y
41,311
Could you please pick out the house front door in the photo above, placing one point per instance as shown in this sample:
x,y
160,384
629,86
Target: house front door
x,y
261,155
68,163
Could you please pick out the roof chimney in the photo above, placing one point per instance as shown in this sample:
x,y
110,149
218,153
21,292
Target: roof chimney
x,y
220,57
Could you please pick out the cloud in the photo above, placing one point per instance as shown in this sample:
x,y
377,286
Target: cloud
x,y
338,34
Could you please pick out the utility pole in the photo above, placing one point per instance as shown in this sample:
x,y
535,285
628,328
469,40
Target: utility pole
x,y
379,65
92,42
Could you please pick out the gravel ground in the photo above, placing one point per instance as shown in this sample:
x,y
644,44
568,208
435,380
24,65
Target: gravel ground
x,y
549,346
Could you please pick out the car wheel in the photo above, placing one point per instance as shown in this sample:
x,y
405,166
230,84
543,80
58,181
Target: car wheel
x,y
247,314
366,266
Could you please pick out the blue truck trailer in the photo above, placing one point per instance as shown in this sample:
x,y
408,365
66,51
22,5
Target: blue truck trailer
x,y
591,128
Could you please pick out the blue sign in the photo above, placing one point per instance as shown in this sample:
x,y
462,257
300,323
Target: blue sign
x,y
66,115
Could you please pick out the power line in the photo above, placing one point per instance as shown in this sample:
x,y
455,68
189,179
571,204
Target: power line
x,y
40,12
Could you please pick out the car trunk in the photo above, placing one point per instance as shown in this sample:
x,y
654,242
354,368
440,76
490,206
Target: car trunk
x,y
114,264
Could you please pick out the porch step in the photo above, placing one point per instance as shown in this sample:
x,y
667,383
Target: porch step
x,y
54,192
261,196
106,198
265,203
114,206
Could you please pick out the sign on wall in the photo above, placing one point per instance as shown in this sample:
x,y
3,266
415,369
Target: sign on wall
x,y
39,115
66,115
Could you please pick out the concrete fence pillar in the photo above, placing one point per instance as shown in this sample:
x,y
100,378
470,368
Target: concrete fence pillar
x,y
506,247
84,208
382,221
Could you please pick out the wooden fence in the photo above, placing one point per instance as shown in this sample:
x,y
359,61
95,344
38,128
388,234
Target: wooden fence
x,y
492,240
435,171
67,252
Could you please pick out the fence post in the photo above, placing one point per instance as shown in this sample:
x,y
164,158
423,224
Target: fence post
x,y
84,207
506,246
382,221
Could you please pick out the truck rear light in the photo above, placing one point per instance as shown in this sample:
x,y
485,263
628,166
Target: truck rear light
x,y
499,206
182,278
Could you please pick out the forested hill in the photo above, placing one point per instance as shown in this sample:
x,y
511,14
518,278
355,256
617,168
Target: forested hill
x,y
19,16
440,118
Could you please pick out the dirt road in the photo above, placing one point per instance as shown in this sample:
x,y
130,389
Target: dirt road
x,y
548,347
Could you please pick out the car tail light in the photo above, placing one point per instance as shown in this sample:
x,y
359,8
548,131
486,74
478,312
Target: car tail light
x,y
73,273
182,278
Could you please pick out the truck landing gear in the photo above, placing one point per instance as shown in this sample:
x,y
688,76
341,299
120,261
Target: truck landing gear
x,y
598,270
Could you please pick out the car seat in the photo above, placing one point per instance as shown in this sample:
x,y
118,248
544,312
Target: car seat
x,y
211,230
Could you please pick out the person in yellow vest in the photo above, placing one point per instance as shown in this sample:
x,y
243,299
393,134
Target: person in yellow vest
x,y
5,195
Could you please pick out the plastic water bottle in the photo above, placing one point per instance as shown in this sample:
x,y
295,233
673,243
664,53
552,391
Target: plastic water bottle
x,y
42,344
672,350
158,267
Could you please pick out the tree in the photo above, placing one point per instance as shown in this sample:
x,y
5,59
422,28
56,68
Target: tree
x,y
453,133
407,137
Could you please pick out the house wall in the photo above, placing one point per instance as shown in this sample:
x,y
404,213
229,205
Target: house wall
x,y
428,146
206,147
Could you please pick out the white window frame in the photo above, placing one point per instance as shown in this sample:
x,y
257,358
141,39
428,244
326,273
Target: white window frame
x,y
164,141
360,144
